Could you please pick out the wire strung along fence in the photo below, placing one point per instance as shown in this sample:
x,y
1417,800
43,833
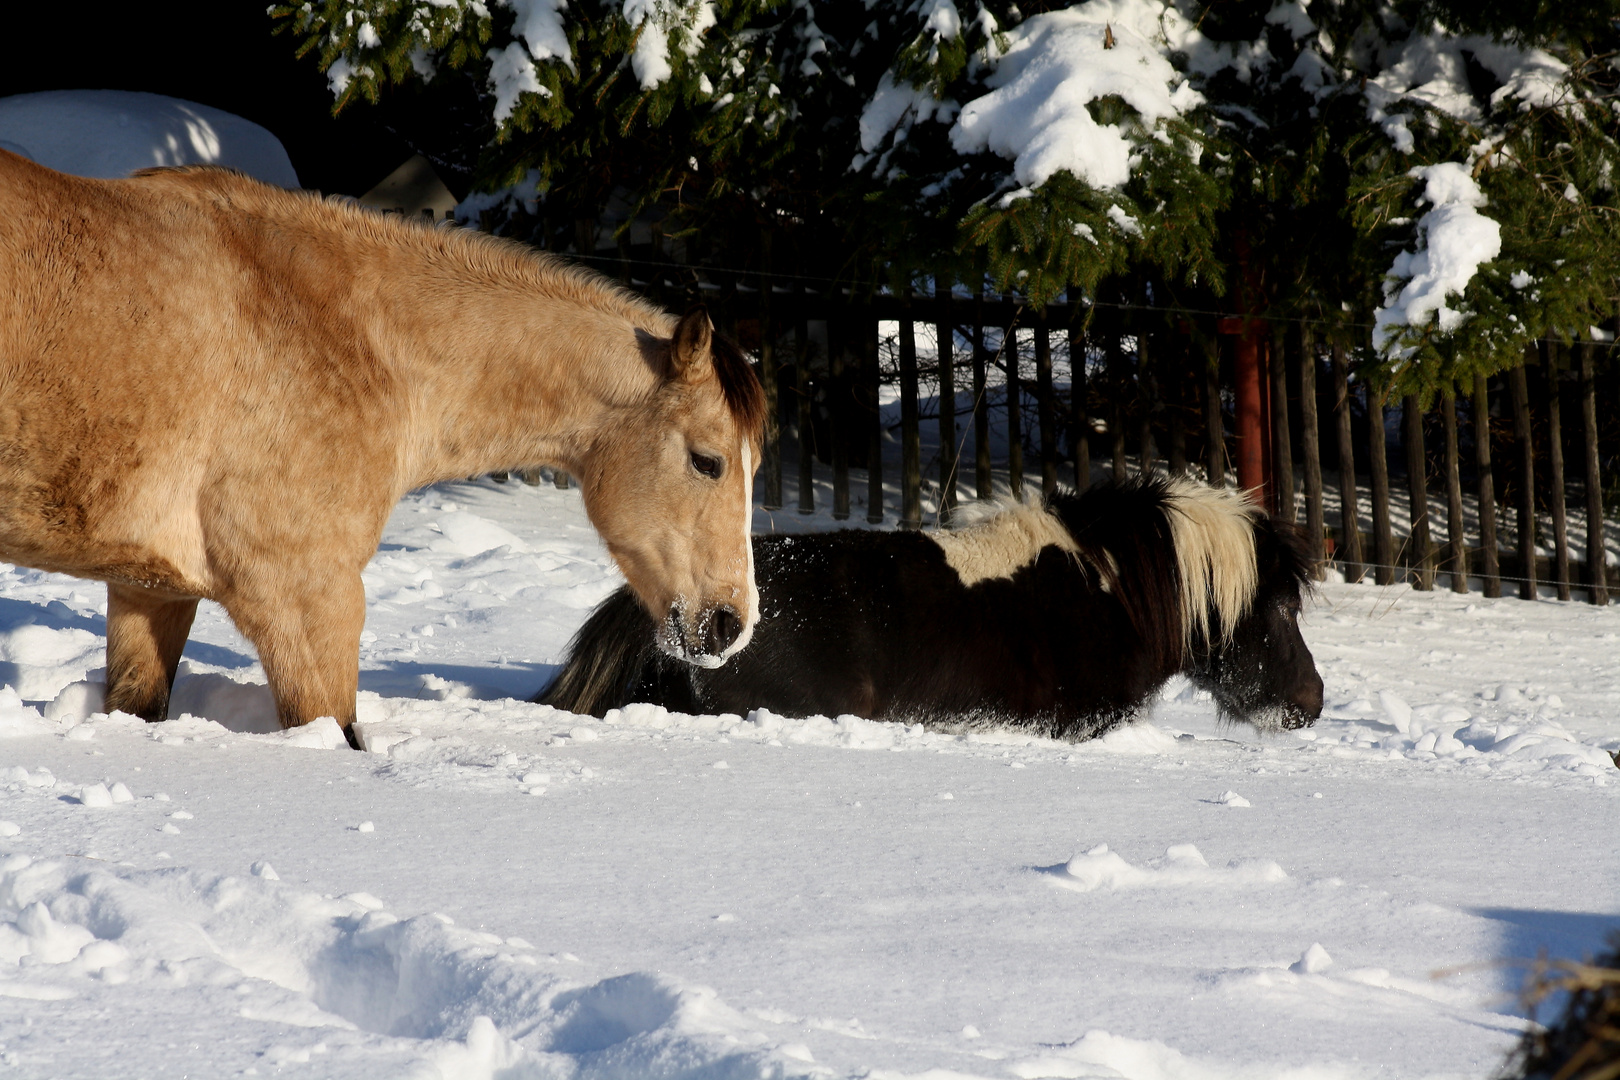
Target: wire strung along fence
x,y
986,395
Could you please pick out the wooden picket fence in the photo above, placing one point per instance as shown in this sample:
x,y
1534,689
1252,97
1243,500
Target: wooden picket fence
x,y
1154,392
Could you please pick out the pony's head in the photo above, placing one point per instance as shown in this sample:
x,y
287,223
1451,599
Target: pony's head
x,y
1244,578
670,488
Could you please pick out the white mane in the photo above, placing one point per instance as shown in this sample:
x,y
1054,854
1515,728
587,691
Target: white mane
x,y
1214,536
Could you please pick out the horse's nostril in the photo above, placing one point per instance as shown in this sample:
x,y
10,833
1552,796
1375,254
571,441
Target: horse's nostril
x,y
725,626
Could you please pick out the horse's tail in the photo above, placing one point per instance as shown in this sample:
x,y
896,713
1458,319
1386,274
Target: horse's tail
x,y
605,659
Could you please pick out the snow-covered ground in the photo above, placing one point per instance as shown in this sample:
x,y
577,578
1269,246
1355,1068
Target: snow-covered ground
x,y
499,889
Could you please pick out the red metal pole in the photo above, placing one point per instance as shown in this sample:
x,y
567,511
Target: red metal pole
x,y
1252,386
1250,403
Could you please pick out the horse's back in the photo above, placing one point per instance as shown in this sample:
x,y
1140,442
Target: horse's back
x,y
151,369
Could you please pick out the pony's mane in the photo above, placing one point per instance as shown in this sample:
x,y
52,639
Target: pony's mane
x,y
1178,555
1214,536
486,258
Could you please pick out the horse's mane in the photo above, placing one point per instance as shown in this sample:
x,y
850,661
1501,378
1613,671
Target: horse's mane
x,y
482,257
1178,555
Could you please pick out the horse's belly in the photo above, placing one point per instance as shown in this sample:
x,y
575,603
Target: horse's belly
x,y
48,527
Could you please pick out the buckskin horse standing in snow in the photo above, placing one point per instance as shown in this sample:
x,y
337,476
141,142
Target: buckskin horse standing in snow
x,y
214,388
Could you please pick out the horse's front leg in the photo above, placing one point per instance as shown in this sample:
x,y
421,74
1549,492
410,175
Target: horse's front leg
x,y
146,633
307,630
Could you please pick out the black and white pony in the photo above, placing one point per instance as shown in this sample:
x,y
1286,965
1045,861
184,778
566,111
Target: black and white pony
x,y
1063,620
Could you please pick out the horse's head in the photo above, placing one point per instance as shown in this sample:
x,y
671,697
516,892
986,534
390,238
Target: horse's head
x,y
670,488
1262,671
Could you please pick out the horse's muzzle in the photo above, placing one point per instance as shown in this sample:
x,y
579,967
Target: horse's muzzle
x,y
717,630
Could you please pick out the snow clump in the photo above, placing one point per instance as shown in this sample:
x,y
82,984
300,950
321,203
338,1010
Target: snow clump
x,y
1456,238
1055,66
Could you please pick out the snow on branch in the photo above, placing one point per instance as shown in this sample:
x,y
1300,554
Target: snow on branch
x,y
1432,70
1037,112
656,20
1456,239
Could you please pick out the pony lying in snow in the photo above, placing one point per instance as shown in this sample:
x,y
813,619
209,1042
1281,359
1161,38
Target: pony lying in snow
x,y
1063,620
213,388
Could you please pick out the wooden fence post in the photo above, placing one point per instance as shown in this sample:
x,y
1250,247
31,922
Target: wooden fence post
x,y
1378,461
1349,511
771,465
1147,395
1214,421
801,379
1491,572
1117,381
1456,538
1079,407
910,434
839,399
1596,558
1175,383
1282,448
1417,489
1015,427
1555,465
983,480
945,337
872,374
1311,447
1044,404
1527,482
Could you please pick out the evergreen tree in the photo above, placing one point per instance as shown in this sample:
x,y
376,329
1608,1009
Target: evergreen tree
x,y
1445,165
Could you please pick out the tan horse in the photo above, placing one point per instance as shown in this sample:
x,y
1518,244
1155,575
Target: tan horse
x,y
214,388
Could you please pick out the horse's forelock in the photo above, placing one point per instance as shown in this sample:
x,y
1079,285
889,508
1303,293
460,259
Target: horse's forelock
x,y
744,395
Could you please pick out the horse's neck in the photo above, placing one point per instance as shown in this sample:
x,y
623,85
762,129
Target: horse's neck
x,y
502,377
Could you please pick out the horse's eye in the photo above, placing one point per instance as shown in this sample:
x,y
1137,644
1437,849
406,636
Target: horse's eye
x,y
709,466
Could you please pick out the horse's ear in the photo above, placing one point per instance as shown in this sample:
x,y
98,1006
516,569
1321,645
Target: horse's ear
x,y
689,349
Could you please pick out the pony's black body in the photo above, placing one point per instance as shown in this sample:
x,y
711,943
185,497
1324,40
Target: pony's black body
x,y
1070,642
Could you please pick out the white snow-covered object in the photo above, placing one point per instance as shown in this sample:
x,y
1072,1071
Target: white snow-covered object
x,y
1056,64
111,133
1457,238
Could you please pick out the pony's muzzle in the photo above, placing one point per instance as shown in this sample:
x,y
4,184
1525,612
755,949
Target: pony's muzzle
x,y
1306,704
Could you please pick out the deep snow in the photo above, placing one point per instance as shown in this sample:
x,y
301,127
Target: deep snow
x,y
501,889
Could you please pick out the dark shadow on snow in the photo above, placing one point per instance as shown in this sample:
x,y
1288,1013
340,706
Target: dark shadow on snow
x,y
56,615
1529,934
404,678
